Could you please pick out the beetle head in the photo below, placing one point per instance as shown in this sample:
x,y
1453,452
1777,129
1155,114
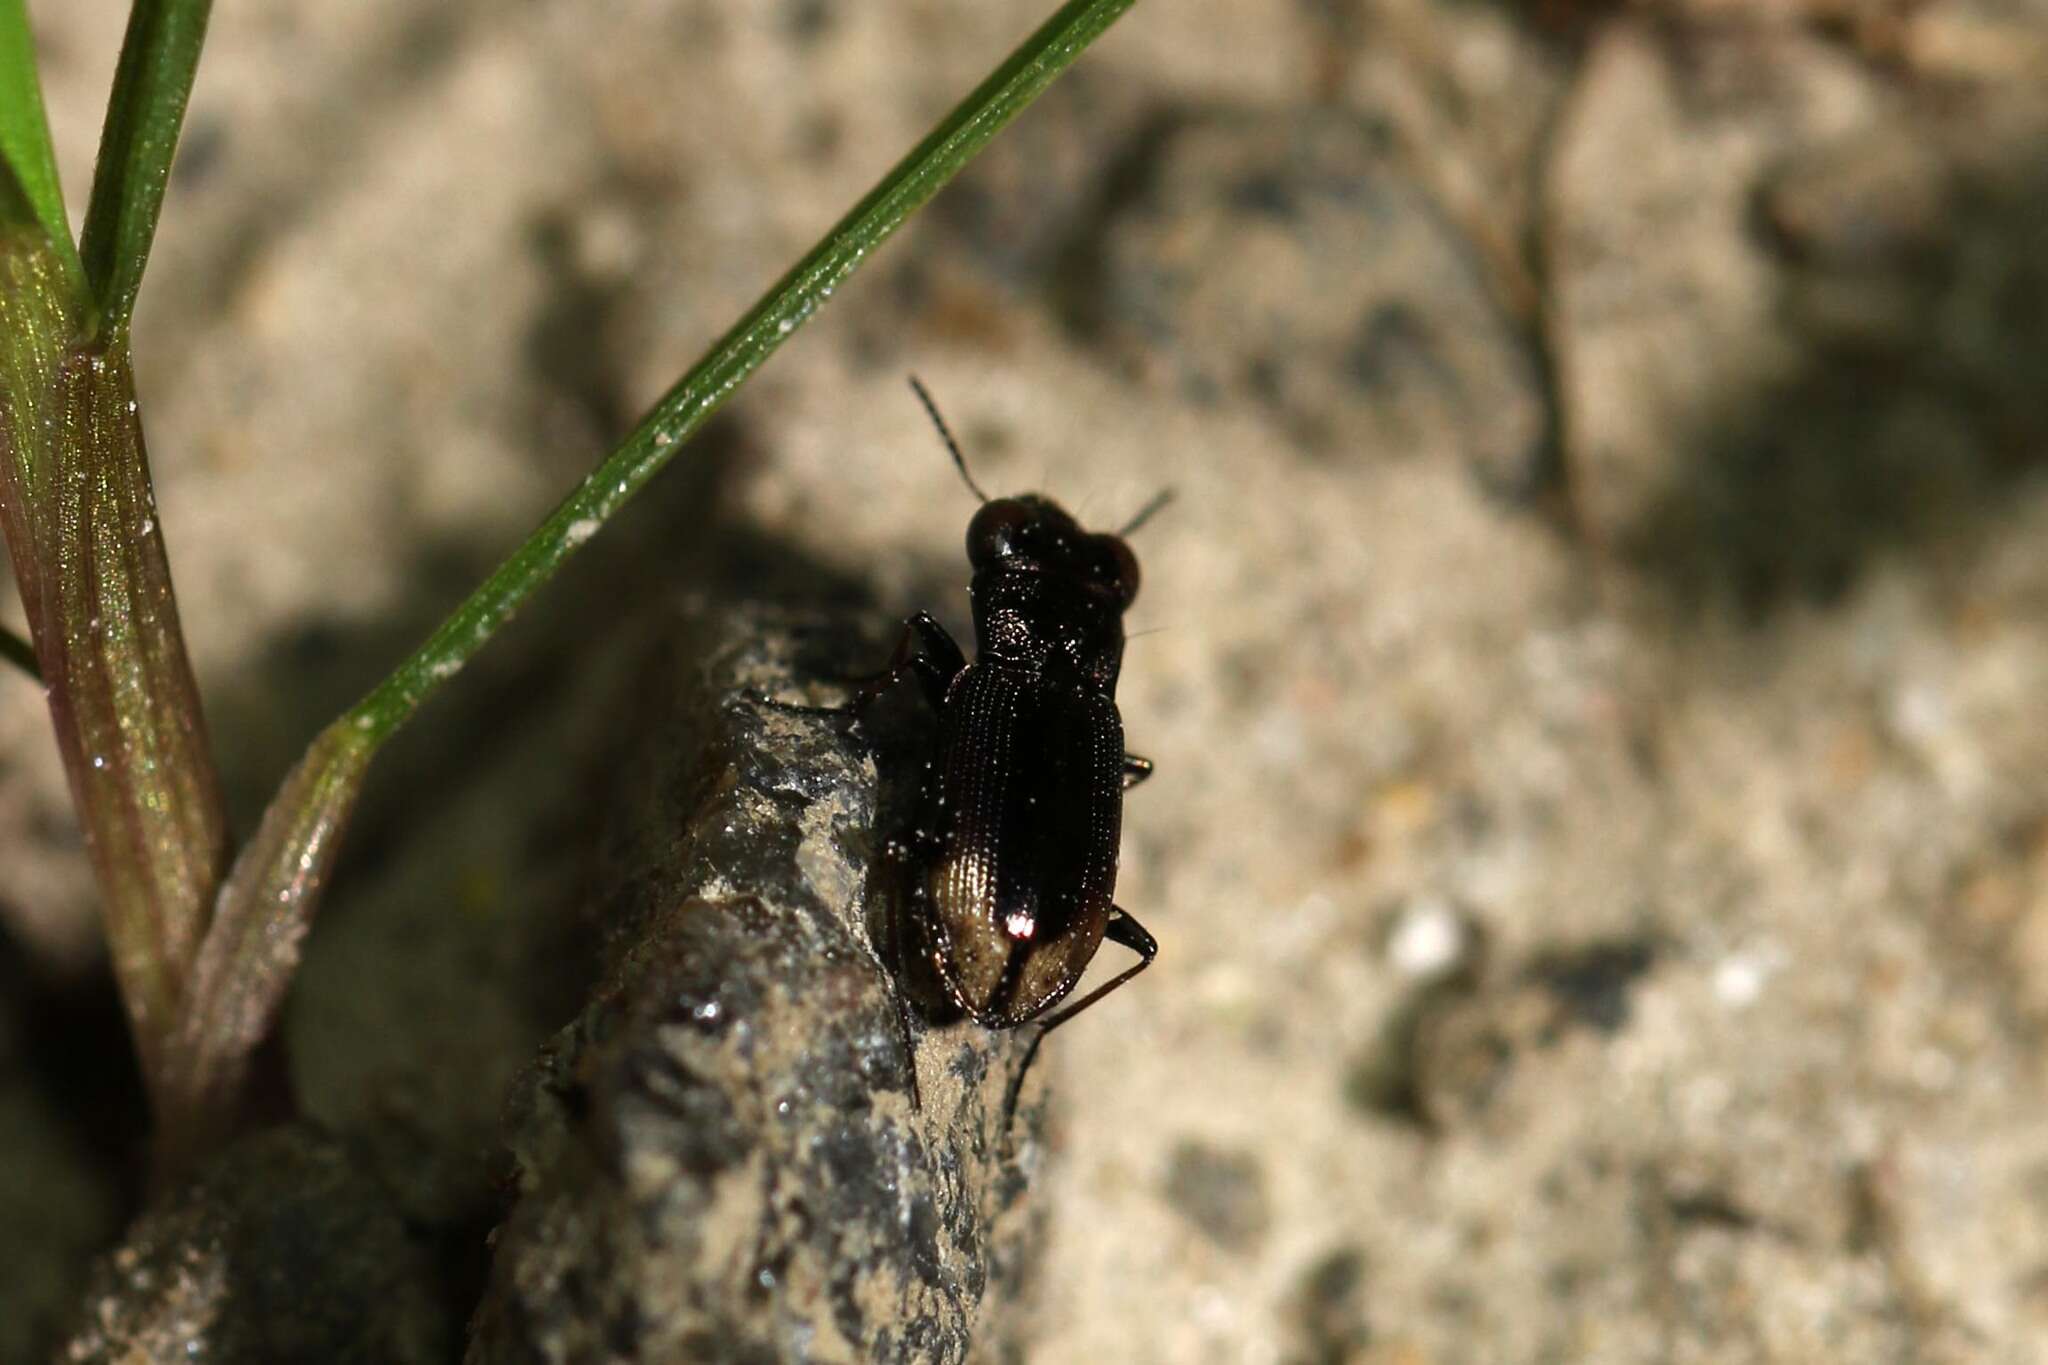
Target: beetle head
x,y
1036,535
1032,533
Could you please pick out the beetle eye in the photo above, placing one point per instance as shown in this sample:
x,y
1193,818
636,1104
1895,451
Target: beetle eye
x,y
997,531
1124,566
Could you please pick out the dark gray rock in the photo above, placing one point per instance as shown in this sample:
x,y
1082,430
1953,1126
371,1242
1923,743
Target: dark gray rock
x,y
721,1159
282,1250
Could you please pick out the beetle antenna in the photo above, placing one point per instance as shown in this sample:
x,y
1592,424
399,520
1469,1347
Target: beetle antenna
x,y
959,460
1159,500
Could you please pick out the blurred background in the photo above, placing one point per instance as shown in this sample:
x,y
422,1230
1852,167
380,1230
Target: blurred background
x,y
1594,663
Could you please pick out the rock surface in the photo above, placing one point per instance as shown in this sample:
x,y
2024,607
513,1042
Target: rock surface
x,y
721,1158
281,1250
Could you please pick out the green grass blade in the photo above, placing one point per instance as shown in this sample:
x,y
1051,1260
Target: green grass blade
x,y
88,555
25,138
252,951
41,319
144,115
684,409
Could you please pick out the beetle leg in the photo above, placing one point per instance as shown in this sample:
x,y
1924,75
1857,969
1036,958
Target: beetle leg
x,y
939,647
909,1041
1126,932
931,681
1122,930
892,946
935,668
1136,770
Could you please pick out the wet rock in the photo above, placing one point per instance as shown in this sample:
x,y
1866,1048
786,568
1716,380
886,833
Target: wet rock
x,y
282,1250
721,1158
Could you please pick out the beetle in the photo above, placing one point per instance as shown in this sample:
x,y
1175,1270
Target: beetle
x,y
1004,881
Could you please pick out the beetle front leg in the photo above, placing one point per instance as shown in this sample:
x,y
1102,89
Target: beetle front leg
x,y
1136,770
936,668
1122,930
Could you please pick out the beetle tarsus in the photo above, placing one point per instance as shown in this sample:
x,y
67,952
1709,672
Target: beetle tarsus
x,y
909,1052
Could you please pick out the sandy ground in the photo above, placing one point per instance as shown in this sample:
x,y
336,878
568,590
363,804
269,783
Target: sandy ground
x,y
1600,846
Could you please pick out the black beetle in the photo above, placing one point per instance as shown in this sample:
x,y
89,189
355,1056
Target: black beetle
x,y
1004,880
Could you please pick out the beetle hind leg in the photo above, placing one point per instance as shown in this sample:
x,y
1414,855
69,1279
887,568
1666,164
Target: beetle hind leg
x,y
1122,930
